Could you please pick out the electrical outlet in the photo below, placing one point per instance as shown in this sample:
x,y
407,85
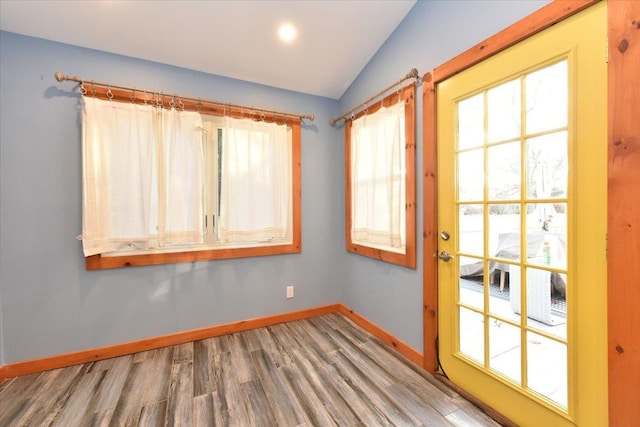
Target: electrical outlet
x,y
289,291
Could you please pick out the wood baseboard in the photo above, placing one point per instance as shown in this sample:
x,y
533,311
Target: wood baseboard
x,y
403,348
85,356
92,355
4,369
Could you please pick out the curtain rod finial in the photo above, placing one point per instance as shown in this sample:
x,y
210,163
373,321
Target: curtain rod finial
x,y
413,72
59,76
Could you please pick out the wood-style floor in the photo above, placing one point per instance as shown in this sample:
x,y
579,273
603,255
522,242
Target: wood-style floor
x,y
323,371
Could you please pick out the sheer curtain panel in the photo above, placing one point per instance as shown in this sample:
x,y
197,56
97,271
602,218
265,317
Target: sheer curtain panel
x,y
256,182
181,175
142,177
118,141
378,178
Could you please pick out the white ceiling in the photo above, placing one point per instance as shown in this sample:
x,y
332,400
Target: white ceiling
x,y
336,38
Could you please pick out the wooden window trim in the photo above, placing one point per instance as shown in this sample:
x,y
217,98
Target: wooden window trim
x,y
99,262
408,259
623,249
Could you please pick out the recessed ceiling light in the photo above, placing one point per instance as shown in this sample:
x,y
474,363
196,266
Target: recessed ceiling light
x,y
287,32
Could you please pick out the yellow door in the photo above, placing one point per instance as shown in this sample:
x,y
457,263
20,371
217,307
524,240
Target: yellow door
x,y
522,221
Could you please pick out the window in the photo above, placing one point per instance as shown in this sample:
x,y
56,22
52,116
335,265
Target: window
x,y
380,185
248,186
166,185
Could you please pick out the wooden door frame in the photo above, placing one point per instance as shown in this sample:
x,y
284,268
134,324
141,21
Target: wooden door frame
x,y
623,176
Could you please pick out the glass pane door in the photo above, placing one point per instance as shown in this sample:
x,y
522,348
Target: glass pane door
x,y
512,157
522,226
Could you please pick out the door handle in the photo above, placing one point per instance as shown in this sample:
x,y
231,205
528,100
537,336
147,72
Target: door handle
x,y
445,256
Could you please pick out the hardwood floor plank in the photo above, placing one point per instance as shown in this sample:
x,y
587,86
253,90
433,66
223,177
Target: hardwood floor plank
x,y
317,342
285,407
82,398
111,386
54,392
103,365
278,348
432,396
220,407
283,336
143,355
241,360
259,410
376,394
311,368
129,406
251,340
305,341
203,410
317,336
376,372
101,419
392,365
359,412
10,414
17,396
159,376
414,382
236,343
229,405
202,367
57,400
297,337
269,345
11,386
153,415
339,322
469,415
180,399
460,418
311,403
219,344
220,411
418,406
183,353
366,411
415,368
5,383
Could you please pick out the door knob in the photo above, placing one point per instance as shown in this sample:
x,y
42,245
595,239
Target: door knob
x,y
445,256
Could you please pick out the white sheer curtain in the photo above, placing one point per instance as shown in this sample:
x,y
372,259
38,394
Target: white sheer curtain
x,y
377,178
181,179
118,144
142,176
256,181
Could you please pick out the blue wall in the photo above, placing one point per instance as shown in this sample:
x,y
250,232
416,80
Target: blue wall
x,y
49,303
431,33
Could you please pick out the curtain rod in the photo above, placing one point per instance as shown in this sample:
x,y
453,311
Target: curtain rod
x,y
62,77
411,74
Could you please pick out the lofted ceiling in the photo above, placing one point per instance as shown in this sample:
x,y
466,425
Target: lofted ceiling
x,y
238,39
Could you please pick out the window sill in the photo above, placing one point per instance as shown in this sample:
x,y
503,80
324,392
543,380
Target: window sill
x,y
407,259
99,262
